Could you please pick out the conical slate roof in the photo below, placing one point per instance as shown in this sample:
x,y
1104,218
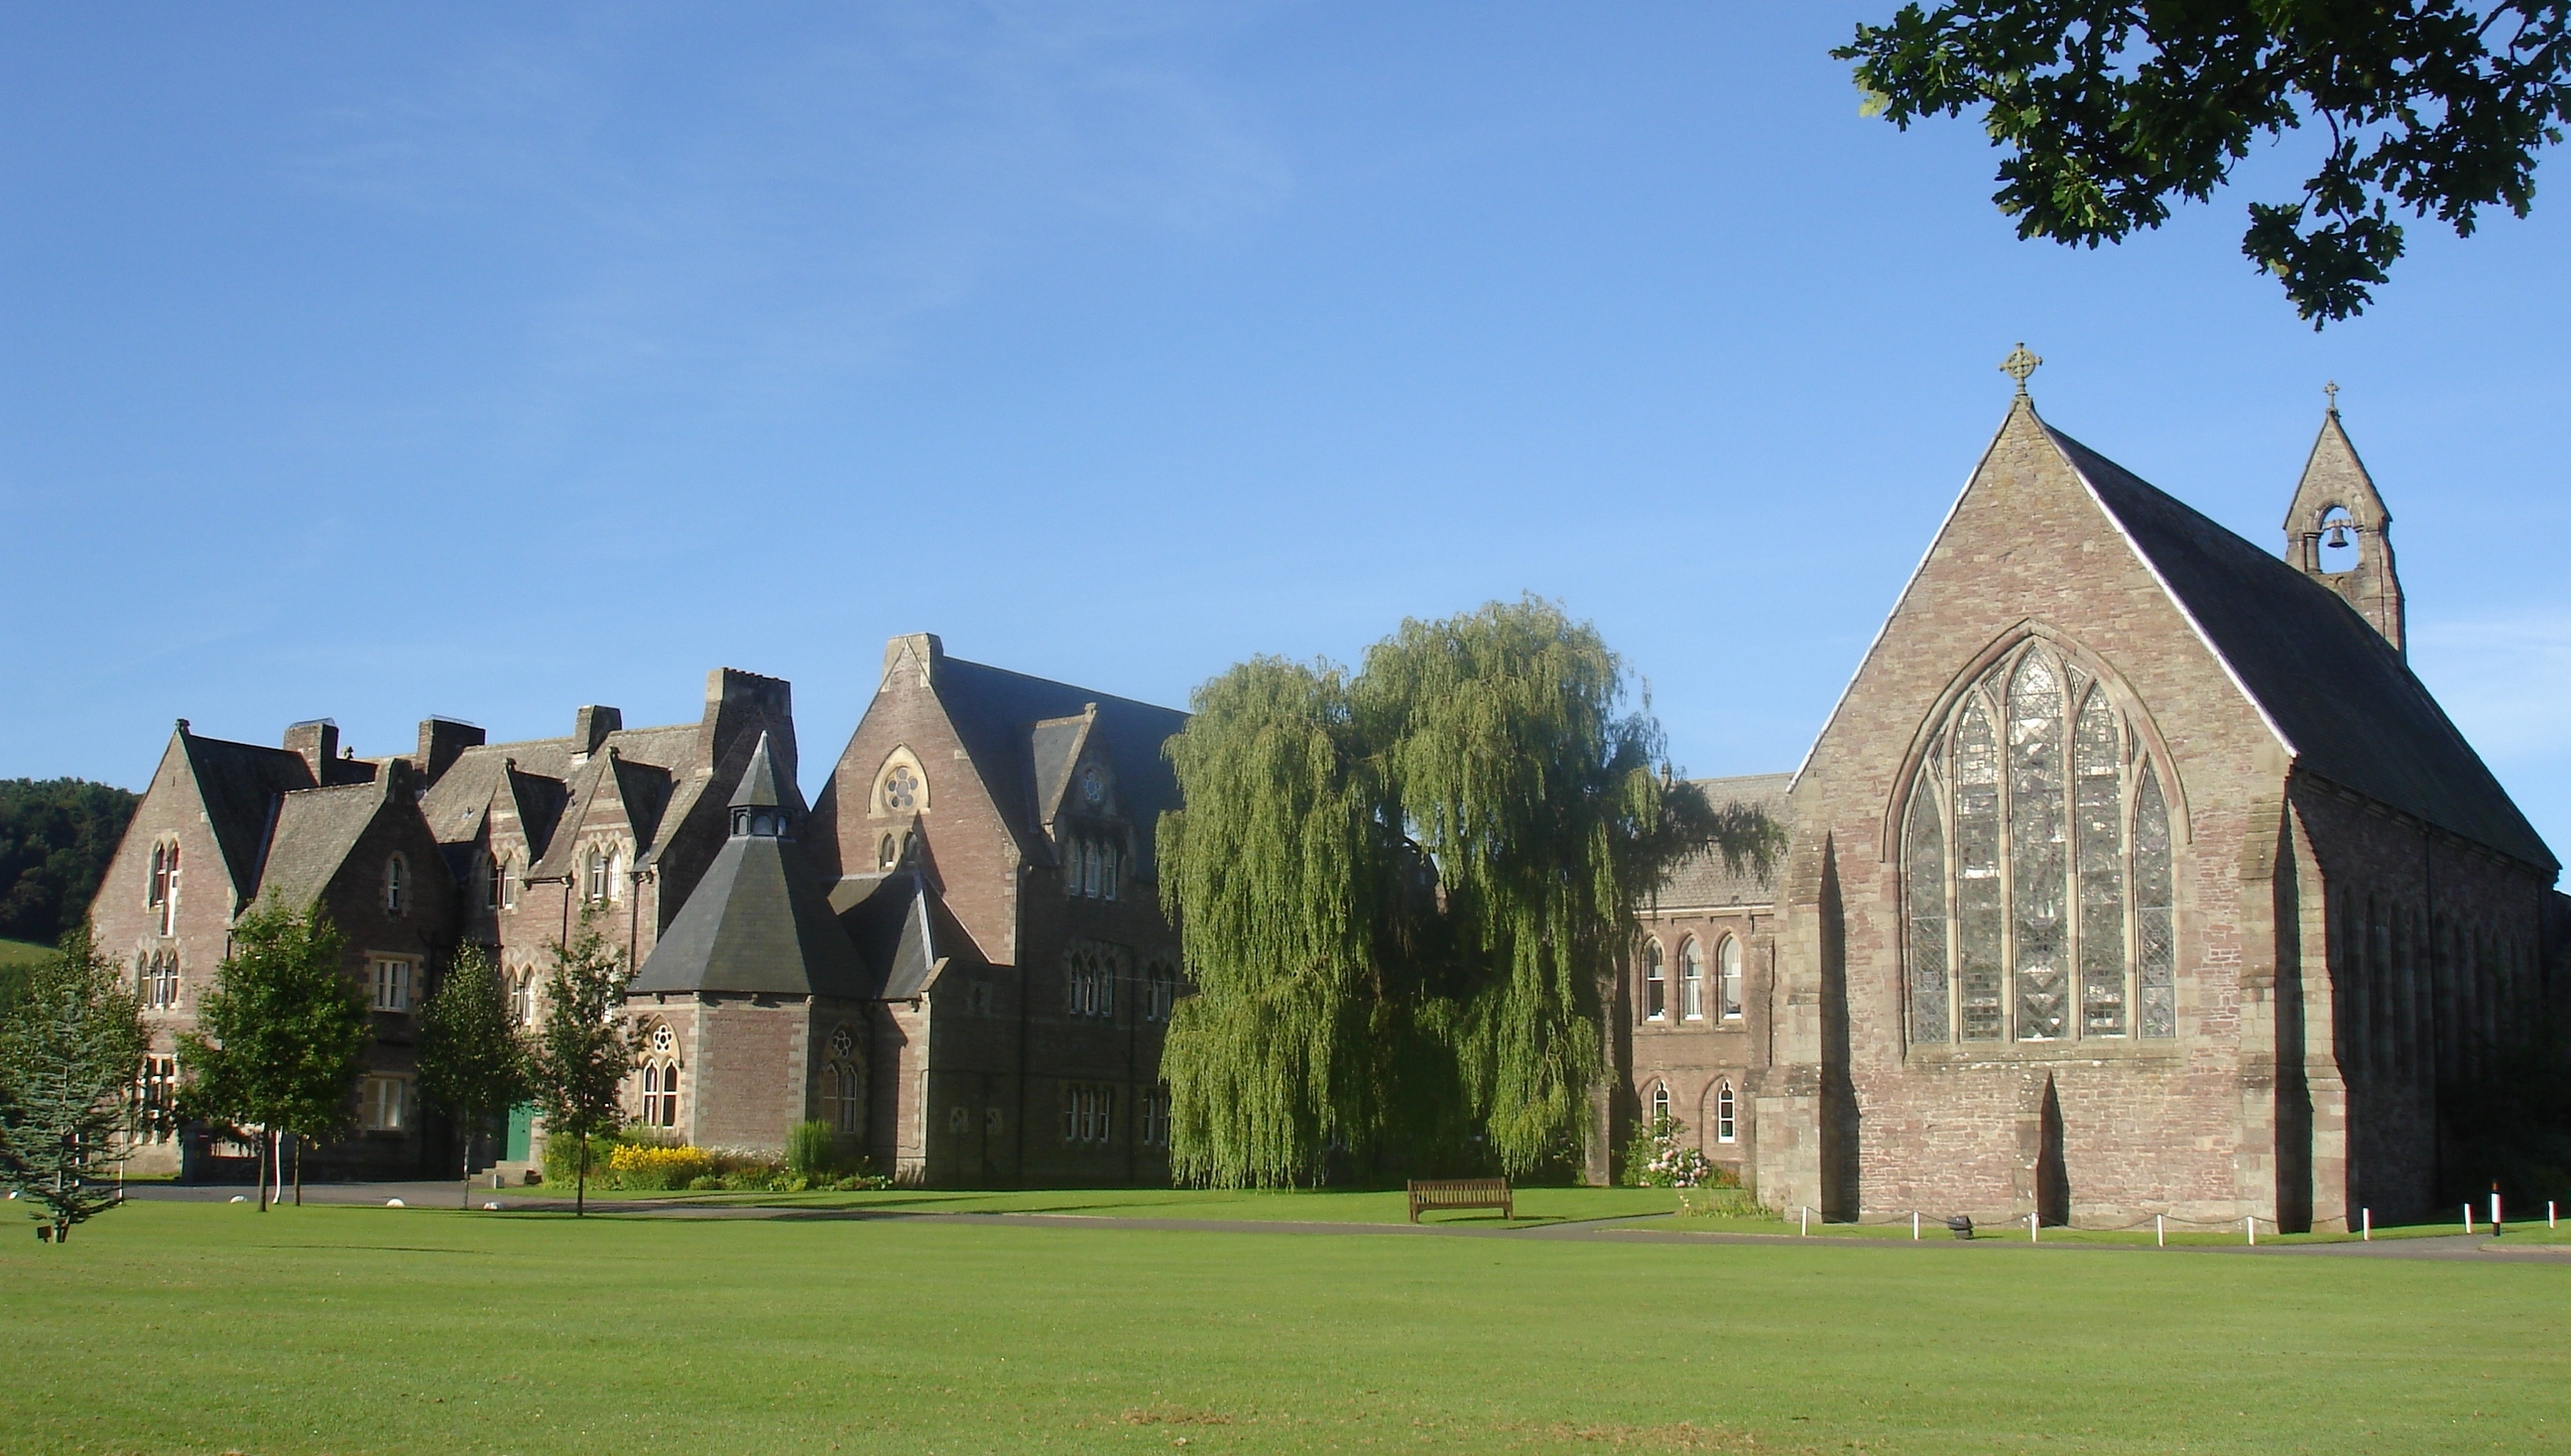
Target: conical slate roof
x,y
756,922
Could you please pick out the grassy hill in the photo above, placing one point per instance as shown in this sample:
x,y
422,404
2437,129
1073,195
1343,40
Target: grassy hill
x,y
23,952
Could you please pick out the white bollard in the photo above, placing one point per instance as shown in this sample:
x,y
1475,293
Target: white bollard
x,y
2495,1209
2469,1216
2250,1225
1807,1221
2160,1229
1914,1226
2369,1214
395,1204
2030,1229
2548,1213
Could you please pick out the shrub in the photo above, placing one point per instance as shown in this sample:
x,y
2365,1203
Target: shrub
x,y
812,1150
644,1167
1655,1160
705,1182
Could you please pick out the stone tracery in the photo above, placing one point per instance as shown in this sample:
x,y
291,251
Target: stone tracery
x,y
2050,917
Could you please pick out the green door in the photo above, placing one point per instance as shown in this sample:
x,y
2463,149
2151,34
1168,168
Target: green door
x,y
522,1127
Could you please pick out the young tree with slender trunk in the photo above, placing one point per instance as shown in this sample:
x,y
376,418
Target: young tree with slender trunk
x,y
71,1042
281,1038
1400,893
472,1062
584,1048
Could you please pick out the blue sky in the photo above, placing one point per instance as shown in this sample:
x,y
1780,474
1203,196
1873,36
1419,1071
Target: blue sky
x,y
375,362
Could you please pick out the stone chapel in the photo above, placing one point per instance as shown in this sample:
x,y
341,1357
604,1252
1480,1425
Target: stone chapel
x,y
2134,874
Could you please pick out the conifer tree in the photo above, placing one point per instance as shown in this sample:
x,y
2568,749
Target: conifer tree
x,y
281,1038
1400,894
70,1044
584,1048
472,1062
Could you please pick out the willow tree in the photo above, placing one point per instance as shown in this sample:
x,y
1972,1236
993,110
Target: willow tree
x,y
1400,893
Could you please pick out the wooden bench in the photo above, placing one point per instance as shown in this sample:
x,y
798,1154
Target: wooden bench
x,y
1460,1193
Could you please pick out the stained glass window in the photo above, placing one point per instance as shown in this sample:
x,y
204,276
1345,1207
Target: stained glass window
x,y
2037,868
2154,937
2037,848
1978,875
2098,813
1924,852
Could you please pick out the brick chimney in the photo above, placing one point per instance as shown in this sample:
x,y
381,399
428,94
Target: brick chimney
x,y
590,727
442,740
316,739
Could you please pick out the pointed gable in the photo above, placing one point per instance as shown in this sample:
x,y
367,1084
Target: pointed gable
x,y
995,713
240,785
315,832
2346,706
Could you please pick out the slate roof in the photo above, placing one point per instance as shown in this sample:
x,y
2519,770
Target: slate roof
x,y
316,828
997,713
2348,707
1703,881
756,923
239,784
903,929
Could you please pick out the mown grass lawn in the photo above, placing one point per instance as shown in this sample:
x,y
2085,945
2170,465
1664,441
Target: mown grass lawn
x,y
1530,1206
169,1327
24,952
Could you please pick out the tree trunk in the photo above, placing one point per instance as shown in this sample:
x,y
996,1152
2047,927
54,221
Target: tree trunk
x,y
580,1190
262,1170
466,1202
298,1170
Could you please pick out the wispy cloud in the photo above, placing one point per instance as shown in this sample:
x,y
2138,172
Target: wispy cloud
x,y
833,182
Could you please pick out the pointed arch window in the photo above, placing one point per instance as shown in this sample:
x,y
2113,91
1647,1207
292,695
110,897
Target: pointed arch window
x,y
1691,981
1656,984
163,897
396,884
844,1089
1726,1130
1726,960
2036,867
1660,1105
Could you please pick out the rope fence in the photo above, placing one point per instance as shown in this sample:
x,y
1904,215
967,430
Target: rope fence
x,y
1964,1227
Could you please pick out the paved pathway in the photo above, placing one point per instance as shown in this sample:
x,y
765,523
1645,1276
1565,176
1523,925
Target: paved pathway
x,y
2472,1248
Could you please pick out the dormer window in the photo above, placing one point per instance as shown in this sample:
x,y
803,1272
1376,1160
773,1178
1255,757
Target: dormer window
x,y
397,885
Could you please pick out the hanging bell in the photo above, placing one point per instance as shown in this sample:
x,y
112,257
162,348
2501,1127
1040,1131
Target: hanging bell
x,y
2338,536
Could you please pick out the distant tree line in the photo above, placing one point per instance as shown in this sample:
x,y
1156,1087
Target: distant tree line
x,y
55,838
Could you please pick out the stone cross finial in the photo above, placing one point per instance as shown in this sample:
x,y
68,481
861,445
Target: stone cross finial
x,y
2331,389
2018,365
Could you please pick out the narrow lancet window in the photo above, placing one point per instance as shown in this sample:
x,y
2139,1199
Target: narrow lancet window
x,y
1924,852
2154,935
2099,812
2036,848
1978,875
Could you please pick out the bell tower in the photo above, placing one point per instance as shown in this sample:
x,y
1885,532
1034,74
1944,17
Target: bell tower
x,y
2339,533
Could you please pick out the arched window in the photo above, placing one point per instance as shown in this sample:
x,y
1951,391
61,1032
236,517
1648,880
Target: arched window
x,y
614,878
2036,866
495,880
1660,1105
161,980
595,886
1088,870
1691,981
888,852
1107,870
1726,960
1655,986
396,892
843,1089
660,1077
1725,1129
163,892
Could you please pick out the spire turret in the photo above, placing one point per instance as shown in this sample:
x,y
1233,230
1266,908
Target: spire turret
x,y
2339,533
756,809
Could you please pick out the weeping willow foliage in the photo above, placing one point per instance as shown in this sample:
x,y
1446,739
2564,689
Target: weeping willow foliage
x,y
1399,894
